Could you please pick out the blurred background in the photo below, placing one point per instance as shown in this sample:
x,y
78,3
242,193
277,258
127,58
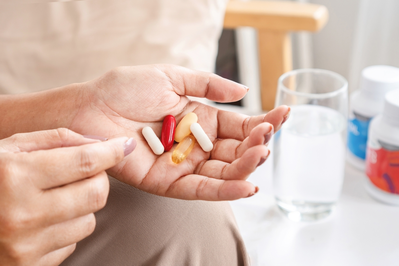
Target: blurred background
x,y
359,33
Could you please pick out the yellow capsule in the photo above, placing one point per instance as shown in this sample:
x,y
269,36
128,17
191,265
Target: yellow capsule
x,y
183,149
183,128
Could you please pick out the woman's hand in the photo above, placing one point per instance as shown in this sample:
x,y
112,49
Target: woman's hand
x,y
51,183
125,100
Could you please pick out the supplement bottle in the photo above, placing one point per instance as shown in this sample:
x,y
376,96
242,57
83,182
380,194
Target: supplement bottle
x,y
366,103
382,160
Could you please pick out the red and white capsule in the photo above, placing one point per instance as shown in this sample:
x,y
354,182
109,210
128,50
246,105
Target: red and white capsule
x,y
168,132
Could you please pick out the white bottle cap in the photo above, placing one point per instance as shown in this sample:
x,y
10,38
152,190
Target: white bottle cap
x,y
391,108
378,80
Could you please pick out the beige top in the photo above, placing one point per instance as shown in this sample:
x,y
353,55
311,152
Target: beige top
x,y
50,44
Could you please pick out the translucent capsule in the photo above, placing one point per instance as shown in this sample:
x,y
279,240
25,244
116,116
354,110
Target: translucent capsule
x,y
183,149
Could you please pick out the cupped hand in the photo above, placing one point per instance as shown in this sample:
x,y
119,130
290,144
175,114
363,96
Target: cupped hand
x,y
126,99
51,183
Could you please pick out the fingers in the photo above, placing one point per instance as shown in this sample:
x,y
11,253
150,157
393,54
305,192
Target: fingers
x,y
217,180
202,84
74,200
240,169
278,116
56,257
228,150
238,126
67,165
67,233
43,140
198,187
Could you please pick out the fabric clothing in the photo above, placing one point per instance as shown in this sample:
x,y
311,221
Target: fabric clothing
x,y
47,44
51,44
137,228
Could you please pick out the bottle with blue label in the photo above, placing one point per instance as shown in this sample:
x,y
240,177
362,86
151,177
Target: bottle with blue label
x,y
366,103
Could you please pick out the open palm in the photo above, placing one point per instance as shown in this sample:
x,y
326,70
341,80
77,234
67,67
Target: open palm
x,y
125,100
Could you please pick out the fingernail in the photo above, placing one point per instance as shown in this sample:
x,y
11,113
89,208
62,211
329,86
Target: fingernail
x,y
250,194
263,159
253,193
129,146
95,137
245,87
285,118
268,136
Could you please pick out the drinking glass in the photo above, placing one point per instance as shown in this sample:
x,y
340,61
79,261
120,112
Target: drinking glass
x,y
309,154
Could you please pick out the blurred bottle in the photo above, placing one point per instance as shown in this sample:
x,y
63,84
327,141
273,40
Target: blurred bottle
x,y
382,160
366,103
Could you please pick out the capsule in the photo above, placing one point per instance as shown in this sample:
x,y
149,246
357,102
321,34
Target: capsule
x,y
168,132
152,140
183,149
183,128
201,137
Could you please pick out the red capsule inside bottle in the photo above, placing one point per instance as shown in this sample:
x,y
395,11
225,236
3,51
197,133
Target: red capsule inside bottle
x,y
168,132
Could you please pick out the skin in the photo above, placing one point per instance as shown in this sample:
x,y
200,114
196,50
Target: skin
x,y
126,99
47,206
41,172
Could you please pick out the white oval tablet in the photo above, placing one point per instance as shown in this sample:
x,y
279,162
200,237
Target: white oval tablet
x,y
202,138
153,141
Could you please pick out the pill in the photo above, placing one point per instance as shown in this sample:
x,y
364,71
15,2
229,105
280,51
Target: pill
x,y
202,138
153,141
183,128
183,149
168,132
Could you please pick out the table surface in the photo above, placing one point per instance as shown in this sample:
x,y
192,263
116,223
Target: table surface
x,y
361,230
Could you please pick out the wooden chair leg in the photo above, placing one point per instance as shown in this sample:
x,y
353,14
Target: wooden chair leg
x,y
275,57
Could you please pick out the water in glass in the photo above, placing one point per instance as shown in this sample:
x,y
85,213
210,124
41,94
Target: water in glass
x,y
308,162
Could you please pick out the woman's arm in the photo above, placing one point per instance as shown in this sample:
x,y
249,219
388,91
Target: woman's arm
x,y
50,109
125,100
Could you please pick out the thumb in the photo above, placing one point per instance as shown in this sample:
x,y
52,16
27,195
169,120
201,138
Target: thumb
x,y
43,140
202,84
63,166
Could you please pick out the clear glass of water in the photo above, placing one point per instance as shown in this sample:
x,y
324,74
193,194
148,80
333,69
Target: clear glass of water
x,y
309,155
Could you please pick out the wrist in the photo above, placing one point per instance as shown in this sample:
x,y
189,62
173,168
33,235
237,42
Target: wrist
x,y
49,109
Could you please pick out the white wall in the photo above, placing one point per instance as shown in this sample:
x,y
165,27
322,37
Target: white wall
x,y
332,46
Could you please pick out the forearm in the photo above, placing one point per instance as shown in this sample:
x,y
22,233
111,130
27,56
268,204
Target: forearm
x,y
39,111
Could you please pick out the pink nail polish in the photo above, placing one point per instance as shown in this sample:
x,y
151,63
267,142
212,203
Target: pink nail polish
x,y
129,146
263,159
285,118
268,136
250,194
253,193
